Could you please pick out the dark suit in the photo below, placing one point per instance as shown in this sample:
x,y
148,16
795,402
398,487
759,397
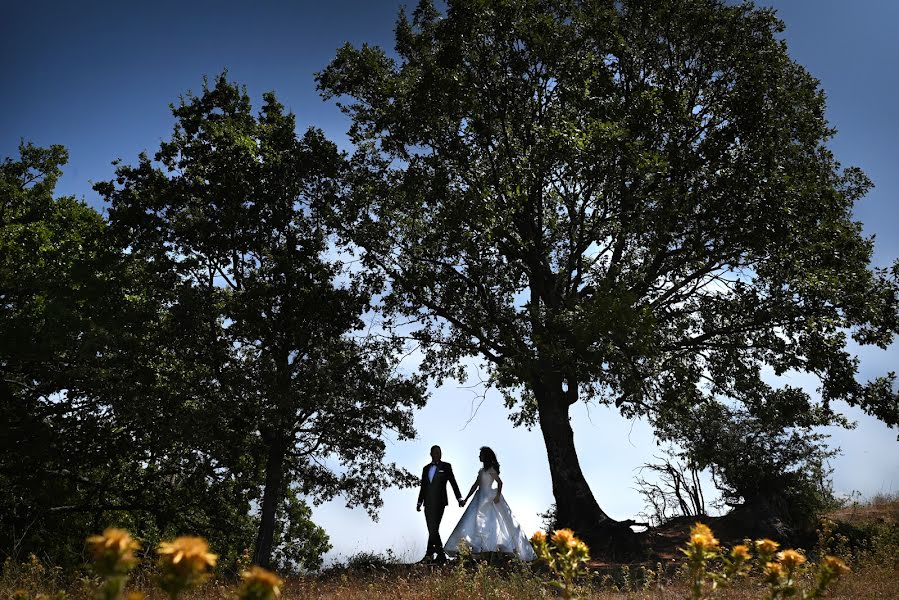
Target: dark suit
x,y
433,496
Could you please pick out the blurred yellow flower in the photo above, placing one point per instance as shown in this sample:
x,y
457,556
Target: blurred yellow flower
x,y
791,558
565,557
183,563
112,552
564,538
740,552
766,546
259,584
113,539
835,565
188,552
702,538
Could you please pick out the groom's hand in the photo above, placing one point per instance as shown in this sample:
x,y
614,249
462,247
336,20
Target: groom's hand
x,y
418,507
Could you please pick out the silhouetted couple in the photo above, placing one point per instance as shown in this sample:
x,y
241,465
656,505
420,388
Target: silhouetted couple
x,y
487,525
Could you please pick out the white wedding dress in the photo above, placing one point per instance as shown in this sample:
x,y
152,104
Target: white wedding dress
x,y
486,526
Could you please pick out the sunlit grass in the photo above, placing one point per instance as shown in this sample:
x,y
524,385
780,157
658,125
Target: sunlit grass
x,y
869,583
756,570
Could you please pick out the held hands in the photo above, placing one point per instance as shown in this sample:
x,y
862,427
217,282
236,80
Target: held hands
x,y
462,502
496,499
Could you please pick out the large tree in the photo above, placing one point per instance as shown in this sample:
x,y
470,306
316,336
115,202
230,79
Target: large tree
x,y
101,418
54,266
628,202
229,212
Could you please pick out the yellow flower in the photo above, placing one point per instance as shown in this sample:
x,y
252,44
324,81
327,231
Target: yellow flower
x,y
581,550
564,538
766,546
702,538
835,565
187,553
740,552
113,538
538,538
183,563
791,559
112,552
259,584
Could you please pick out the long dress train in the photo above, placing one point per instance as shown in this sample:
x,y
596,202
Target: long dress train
x,y
486,526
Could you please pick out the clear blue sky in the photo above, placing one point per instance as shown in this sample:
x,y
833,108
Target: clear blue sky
x,y
98,77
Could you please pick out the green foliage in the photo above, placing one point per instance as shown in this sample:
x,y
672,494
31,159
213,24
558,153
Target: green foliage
x,y
158,369
367,562
51,256
549,519
226,219
629,202
56,265
299,544
100,418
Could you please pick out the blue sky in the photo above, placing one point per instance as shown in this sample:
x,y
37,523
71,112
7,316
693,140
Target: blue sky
x,y
98,77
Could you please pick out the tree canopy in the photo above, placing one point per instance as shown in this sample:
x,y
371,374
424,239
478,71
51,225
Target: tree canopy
x,y
197,362
627,202
229,214
53,259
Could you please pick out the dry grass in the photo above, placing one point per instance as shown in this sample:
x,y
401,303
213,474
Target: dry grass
x,y
866,585
875,575
882,508
868,582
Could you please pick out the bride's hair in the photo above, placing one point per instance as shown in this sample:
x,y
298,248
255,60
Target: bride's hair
x,y
489,459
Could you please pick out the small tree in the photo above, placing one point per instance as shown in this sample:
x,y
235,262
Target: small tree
x,y
768,462
299,545
673,489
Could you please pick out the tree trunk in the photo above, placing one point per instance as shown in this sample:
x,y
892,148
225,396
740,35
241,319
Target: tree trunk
x,y
576,506
271,497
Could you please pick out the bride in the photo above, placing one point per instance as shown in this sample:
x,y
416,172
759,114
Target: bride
x,y
487,525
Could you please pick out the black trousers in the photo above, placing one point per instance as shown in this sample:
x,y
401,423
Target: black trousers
x,y
433,516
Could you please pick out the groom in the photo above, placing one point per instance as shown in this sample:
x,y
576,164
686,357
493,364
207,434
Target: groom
x,y
432,495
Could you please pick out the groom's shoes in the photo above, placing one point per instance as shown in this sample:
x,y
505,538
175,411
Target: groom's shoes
x,y
441,559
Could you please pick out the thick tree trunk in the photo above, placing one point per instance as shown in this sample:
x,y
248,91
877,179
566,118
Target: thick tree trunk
x,y
576,506
271,497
